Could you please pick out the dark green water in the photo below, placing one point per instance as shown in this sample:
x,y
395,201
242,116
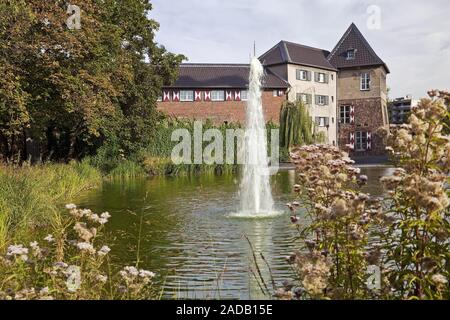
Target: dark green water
x,y
188,237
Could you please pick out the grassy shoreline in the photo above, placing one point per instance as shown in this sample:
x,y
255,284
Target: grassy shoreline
x,y
32,197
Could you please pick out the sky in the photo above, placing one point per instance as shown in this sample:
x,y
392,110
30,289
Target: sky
x,y
412,37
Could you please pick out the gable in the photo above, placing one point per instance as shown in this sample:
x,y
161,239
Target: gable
x,y
364,55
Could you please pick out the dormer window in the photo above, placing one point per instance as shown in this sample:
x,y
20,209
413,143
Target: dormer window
x,y
351,54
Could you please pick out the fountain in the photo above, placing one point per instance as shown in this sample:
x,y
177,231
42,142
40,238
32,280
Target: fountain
x,y
255,193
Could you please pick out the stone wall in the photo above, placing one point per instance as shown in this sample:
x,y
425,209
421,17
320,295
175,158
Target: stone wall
x,y
368,118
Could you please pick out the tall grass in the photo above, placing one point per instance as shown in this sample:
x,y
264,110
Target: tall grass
x,y
126,169
32,197
155,159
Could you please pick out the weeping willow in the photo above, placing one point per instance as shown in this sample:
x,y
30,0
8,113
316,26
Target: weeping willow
x,y
295,125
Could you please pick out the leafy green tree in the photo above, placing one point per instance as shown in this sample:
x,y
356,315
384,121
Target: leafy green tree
x,y
295,125
70,90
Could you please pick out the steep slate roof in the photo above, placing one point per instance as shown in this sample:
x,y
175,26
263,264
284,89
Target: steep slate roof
x,y
289,52
204,75
364,55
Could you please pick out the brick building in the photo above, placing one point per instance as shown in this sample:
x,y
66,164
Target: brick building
x,y
345,90
361,94
219,92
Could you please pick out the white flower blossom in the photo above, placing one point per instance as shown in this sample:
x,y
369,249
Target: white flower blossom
x,y
101,278
85,246
103,251
105,215
71,206
439,279
146,274
49,238
18,251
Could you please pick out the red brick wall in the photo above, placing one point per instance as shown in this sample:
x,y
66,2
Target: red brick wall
x,y
220,111
368,117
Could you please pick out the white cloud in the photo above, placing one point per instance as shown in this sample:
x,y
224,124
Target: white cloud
x,y
413,39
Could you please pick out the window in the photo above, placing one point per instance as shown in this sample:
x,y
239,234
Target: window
x,y
345,114
321,77
159,99
321,100
186,95
351,54
303,75
275,93
217,95
244,95
304,97
360,140
332,77
322,121
365,81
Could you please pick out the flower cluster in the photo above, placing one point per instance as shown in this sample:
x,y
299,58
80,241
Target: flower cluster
x,y
314,270
83,278
339,219
416,237
405,233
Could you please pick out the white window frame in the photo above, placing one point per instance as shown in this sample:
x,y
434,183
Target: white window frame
x,y
304,98
365,81
352,55
321,100
361,140
345,111
244,95
302,74
217,95
321,78
186,95
321,121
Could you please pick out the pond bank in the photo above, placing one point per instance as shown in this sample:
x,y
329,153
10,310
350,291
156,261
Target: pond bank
x,y
190,238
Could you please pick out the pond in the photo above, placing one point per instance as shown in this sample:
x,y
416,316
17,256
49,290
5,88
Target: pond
x,y
183,231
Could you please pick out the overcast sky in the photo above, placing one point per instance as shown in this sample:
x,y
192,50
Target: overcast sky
x,y
413,38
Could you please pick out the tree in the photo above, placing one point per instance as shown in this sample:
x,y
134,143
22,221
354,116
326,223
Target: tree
x,y
72,89
295,125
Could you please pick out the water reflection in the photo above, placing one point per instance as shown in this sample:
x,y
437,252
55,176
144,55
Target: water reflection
x,y
190,240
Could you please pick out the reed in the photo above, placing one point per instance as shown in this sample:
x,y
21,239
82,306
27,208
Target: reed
x,y
31,197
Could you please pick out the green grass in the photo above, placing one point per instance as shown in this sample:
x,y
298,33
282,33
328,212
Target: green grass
x,y
126,169
155,159
31,198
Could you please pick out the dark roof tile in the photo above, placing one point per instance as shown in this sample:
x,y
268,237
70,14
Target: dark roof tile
x,y
201,75
289,52
364,54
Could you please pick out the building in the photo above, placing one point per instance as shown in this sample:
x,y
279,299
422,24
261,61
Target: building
x,y
400,108
218,92
345,90
311,78
361,94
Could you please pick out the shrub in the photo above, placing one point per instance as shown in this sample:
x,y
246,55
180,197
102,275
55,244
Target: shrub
x,y
405,235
